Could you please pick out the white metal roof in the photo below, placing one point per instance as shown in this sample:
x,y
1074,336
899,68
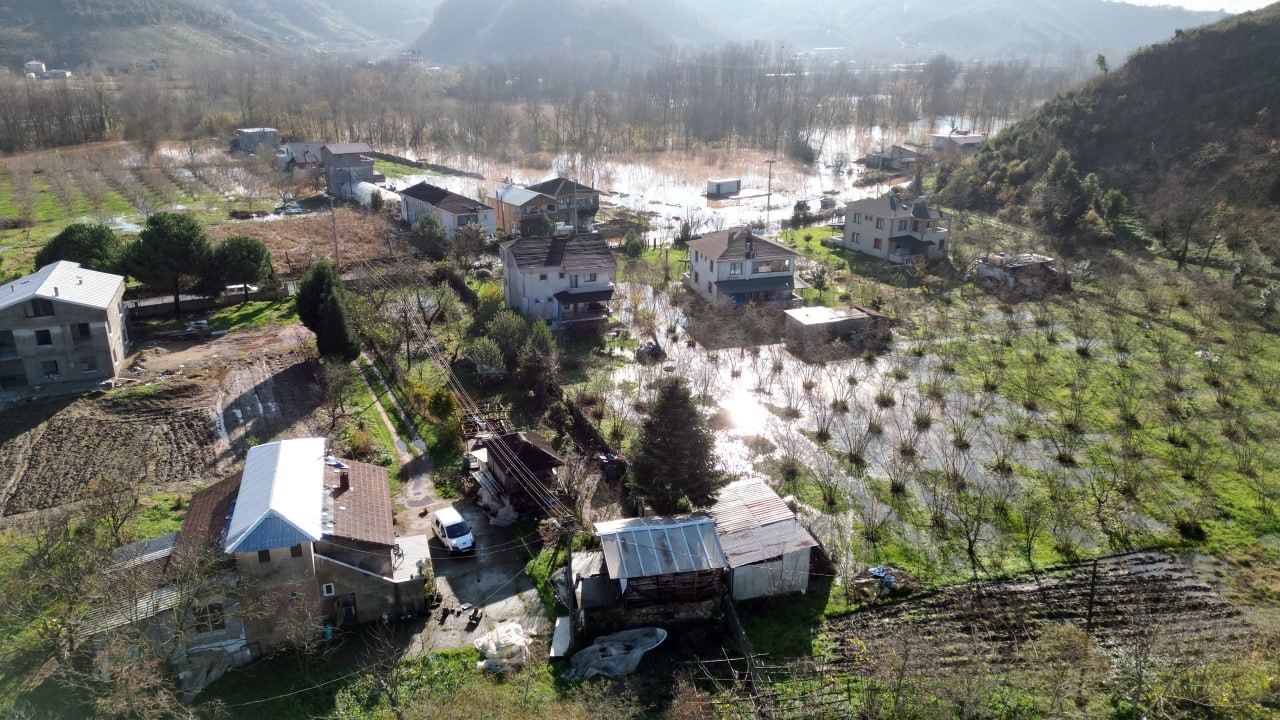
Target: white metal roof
x,y
64,281
644,547
516,195
281,497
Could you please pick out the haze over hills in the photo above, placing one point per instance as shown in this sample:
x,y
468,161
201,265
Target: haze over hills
x,y
339,23
467,30
1181,126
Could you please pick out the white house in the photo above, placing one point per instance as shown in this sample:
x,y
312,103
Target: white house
x,y
559,280
896,230
961,140
740,267
576,204
453,210
723,186
766,547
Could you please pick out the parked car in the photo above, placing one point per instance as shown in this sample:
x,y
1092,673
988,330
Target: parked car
x,y
447,525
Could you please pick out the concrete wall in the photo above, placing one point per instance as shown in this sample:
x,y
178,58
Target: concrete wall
x,y
372,594
284,596
412,208
79,360
782,576
704,272
531,292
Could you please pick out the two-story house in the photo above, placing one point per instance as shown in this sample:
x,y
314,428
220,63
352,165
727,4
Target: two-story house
x,y
453,210
559,280
522,210
346,165
740,267
62,328
893,229
576,204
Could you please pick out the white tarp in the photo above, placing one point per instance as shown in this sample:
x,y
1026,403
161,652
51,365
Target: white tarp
x,y
616,655
505,648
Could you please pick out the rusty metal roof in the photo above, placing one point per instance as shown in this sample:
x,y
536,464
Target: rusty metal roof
x,y
754,524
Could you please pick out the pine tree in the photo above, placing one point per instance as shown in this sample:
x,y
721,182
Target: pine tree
x,y
673,465
322,307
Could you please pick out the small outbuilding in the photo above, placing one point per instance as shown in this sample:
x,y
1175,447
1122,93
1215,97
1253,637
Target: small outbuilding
x,y
662,560
820,325
765,545
724,186
255,140
1031,273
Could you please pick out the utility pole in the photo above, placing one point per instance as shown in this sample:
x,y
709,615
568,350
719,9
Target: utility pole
x,y
768,198
333,215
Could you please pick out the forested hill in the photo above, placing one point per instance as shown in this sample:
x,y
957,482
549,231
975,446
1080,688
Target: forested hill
x,y
335,24
1180,127
76,33
633,30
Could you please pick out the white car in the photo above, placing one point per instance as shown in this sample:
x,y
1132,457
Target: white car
x,y
453,531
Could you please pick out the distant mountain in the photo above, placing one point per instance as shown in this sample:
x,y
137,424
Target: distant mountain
x,y
340,24
465,30
1179,127
470,30
75,33
974,29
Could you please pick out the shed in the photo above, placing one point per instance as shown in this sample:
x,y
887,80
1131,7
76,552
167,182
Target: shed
x,y
254,140
724,186
659,560
818,325
765,545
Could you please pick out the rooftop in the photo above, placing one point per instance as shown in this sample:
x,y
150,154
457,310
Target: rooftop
x,y
516,195
645,547
64,281
561,186
891,207
732,245
280,499
363,512
348,148
444,199
820,315
530,448
754,524
579,252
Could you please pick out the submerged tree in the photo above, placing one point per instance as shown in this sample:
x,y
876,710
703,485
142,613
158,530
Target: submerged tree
x,y
674,467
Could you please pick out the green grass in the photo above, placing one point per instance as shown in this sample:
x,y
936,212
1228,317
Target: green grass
x,y
160,514
395,170
135,393
368,420
540,568
788,626
255,314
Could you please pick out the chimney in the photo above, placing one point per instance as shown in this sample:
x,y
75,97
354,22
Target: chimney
x,y
344,481
751,244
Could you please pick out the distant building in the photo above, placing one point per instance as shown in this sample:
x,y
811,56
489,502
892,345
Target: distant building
x,y
453,210
56,75
576,204
814,326
961,140
720,188
346,165
740,267
33,67
256,140
521,210
62,328
1031,273
895,230
299,155
559,280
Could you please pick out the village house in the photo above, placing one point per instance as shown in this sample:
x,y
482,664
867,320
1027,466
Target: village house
x,y
346,167
576,204
299,156
256,140
766,548
522,210
559,280
961,141
62,329
895,230
514,468
310,543
740,267
453,210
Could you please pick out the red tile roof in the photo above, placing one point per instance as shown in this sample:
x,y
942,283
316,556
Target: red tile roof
x,y
206,519
363,512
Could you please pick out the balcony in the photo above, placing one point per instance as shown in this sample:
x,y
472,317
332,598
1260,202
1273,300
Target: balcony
x,y
587,312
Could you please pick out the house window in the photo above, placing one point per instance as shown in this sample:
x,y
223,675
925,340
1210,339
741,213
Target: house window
x,y
713,266
879,244
902,226
88,365
44,337
264,556
591,277
49,368
561,276
856,238
879,223
708,286
210,618
767,267
329,590
857,218
296,550
542,277
695,276
83,332
573,281
735,268
40,308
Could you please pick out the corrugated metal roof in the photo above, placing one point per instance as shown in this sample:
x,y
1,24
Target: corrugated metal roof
x,y
143,551
754,524
519,196
281,497
64,281
645,547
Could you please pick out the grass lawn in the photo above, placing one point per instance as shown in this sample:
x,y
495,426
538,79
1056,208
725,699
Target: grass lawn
x,y
787,626
395,170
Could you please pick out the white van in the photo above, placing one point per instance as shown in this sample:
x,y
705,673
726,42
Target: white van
x,y
453,531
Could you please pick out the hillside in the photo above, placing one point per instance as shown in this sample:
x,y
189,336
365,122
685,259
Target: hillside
x,y
380,27
1179,127
73,34
468,30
